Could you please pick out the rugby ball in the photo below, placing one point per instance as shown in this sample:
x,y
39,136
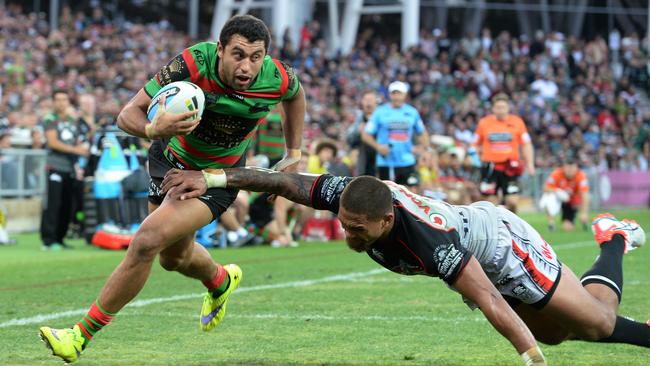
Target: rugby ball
x,y
182,96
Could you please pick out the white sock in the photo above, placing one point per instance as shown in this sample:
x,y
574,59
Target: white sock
x,y
242,232
232,235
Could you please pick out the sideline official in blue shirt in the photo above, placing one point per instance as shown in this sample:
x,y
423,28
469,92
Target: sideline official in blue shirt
x,y
390,131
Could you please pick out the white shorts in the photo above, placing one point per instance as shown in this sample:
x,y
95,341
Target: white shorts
x,y
528,270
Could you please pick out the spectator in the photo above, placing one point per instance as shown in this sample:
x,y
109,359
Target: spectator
x,y
390,131
270,138
367,155
62,133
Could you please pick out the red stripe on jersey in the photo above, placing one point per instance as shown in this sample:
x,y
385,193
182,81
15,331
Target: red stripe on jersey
x,y
195,75
258,95
311,191
285,78
179,158
226,160
413,253
271,144
538,276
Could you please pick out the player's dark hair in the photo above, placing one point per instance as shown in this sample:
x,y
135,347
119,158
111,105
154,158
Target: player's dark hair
x,y
367,195
59,91
247,26
501,97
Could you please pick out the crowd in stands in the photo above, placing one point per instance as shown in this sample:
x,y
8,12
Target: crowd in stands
x,y
584,97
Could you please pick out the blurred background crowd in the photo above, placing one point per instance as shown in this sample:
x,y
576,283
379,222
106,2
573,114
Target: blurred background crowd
x,y
586,98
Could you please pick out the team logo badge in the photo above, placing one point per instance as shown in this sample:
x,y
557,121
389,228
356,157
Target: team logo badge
x,y
438,221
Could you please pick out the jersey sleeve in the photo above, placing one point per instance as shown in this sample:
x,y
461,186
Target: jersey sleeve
x,y
175,70
524,137
449,257
552,180
326,192
49,122
293,84
419,125
583,183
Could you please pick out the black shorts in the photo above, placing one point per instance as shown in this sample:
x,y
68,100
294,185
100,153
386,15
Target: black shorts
x,y
494,181
569,212
217,199
406,176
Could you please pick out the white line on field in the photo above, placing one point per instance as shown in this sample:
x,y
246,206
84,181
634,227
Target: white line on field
x,y
140,303
308,317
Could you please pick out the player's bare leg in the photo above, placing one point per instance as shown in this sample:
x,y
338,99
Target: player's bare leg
x,y
511,201
170,223
587,309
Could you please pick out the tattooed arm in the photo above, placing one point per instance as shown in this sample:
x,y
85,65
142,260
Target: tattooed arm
x,y
186,184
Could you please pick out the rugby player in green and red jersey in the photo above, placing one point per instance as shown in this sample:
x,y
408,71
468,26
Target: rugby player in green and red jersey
x,y
242,84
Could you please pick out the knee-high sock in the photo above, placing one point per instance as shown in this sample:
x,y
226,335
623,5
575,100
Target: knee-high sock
x,y
608,268
630,332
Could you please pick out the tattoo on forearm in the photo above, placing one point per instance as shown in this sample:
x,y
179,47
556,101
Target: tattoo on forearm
x,y
295,187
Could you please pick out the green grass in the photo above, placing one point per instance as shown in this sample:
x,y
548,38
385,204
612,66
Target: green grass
x,y
378,318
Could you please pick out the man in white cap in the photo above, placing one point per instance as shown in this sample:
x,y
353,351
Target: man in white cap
x,y
390,131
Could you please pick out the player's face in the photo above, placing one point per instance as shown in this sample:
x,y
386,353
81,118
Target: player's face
x,y
397,98
500,109
570,170
361,232
61,102
240,61
368,103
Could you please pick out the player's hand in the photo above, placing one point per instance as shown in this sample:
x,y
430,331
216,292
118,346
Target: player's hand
x,y
184,184
584,219
289,164
82,149
530,169
534,357
165,125
383,150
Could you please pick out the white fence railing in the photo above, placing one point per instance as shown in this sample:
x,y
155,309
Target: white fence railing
x,y
22,172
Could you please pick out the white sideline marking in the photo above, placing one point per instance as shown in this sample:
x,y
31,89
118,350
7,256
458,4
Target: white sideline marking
x,y
307,317
140,303
36,319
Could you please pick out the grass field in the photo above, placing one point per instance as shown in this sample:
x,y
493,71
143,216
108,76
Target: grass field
x,y
318,304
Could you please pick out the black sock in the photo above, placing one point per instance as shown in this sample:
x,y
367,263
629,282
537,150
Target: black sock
x,y
630,332
608,268
224,286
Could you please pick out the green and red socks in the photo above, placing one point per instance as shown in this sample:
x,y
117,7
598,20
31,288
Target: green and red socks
x,y
219,284
96,319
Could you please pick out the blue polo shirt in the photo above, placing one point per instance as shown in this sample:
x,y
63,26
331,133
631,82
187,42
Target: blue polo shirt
x,y
395,127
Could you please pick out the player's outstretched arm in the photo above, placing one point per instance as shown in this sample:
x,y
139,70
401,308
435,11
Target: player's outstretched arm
x,y
186,184
474,285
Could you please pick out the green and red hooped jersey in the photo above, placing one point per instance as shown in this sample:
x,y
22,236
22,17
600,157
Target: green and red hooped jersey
x,y
230,117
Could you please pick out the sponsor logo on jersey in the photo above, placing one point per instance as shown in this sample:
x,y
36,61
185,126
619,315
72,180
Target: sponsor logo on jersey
x,y
332,189
198,57
259,107
520,290
438,221
505,280
236,96
447,259
174,70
